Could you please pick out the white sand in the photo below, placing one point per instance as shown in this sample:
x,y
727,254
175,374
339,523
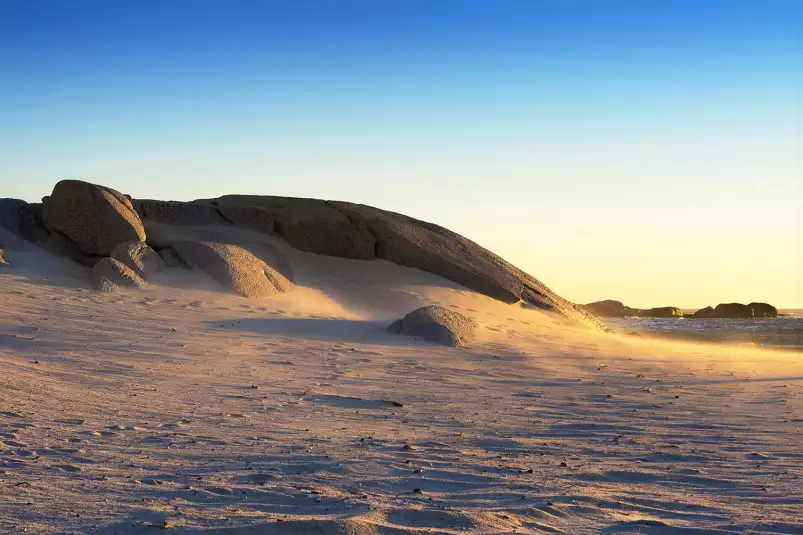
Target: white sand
x,y
182,403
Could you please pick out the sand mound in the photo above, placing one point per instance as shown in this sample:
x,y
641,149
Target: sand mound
x,y
109,273
437,324
234,267
143,260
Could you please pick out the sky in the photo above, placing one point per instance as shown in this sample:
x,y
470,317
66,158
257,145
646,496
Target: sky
x,y
646,151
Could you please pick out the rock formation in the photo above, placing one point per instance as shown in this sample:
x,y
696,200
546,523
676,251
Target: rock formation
x,y
703,313
87,222
95,218
609,308
738,311
763,310
437,324
616,309
733,310
662,312
356,231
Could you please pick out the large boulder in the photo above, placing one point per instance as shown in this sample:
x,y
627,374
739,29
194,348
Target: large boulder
x,y
437,324
662,312
143,260
703,313
108,274
95,218
234,267
764,310
733,310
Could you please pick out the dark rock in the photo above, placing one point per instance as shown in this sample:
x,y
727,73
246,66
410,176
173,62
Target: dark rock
x,y
310,225
417,244
437,324
178,213
234,267
23,219
609,308
249,217
707,312
143,260
662,312
95,218
110,273
764,310
733,310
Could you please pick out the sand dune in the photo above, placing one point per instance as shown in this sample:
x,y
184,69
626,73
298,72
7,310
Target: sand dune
x,y
183,407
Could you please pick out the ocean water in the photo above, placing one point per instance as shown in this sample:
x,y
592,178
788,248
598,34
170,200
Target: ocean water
x,y
784,332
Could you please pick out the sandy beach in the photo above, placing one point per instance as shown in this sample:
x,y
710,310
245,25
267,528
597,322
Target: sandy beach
x,y
185,408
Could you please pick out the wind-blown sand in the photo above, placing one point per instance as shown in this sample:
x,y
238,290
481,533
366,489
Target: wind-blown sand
x,y
181,406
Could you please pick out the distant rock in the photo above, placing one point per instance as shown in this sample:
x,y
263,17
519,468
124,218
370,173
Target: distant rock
x,y
234,267
95,218
703,313
662,312
437,324
616,309
763,310
609,308
110,273
733,310
143,260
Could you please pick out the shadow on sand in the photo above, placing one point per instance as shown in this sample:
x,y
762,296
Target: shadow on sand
x,y
372,332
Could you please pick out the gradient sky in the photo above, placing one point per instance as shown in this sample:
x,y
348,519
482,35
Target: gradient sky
x,y
648,151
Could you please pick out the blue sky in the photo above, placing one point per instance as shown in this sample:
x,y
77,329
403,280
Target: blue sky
x,y
642,150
